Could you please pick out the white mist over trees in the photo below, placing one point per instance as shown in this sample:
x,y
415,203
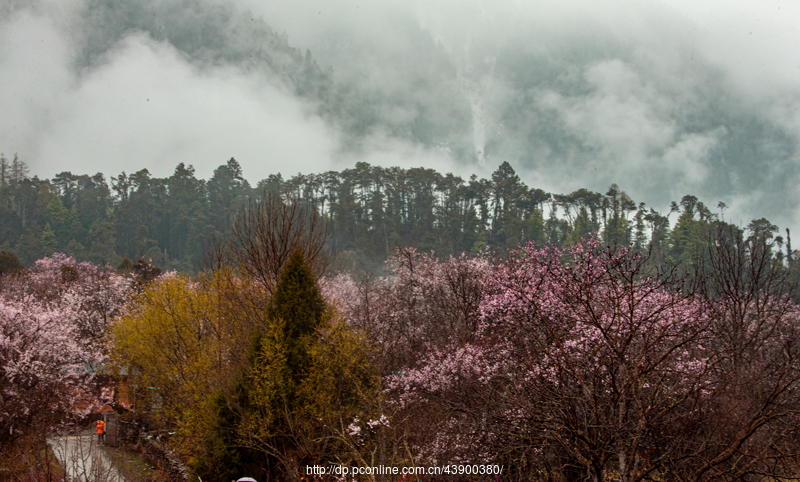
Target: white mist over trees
x,y
573,95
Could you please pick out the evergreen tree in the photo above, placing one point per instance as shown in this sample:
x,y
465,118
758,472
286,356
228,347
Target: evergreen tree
x,y
298,304
640,237
29,246
48,240
690,234
266,412
536,231
5,170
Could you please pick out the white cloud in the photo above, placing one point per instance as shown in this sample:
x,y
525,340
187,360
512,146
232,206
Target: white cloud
x,y
34,76
687,157
149,108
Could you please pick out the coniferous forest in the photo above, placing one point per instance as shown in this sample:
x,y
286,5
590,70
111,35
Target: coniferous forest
x,y
371,211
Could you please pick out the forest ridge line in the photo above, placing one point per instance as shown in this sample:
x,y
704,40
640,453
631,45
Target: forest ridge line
x,y
371,210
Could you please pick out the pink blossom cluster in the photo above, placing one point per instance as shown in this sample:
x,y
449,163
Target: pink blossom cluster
x,y
541,349
424,304
590,309
94,295
51,320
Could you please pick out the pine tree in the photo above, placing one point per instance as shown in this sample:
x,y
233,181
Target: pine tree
x,y
48,240
5,170
297,300
536,232
263,411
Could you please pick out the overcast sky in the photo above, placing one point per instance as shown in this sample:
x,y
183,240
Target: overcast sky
x,y
662,98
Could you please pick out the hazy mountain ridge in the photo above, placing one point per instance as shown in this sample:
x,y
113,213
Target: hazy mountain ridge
x,y
214,34
583,99
207,32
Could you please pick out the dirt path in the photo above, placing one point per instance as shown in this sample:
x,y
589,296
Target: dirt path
x,y
83,460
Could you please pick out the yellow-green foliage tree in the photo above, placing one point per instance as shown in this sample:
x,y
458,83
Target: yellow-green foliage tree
x,y
308,377
180,340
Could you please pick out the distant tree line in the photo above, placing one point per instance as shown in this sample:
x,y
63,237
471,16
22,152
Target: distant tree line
x,y
371,210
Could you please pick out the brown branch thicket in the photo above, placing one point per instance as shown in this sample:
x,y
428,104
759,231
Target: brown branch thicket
x,y
751,428
263,235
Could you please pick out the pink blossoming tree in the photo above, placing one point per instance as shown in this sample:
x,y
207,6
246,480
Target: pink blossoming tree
x,y
587,363
423,304
52,318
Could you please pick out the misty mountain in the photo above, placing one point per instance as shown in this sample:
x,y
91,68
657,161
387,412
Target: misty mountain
x,y
574,95
360,101
208,34
616,117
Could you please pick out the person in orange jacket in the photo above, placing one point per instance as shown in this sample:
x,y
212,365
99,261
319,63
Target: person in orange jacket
x,y
101,432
